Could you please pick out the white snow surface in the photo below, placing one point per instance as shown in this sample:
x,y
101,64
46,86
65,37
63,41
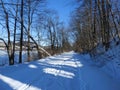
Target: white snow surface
x,y
4,60
68,71
110,62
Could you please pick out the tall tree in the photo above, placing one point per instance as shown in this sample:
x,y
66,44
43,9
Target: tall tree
x,y
94,23
8,45
21,34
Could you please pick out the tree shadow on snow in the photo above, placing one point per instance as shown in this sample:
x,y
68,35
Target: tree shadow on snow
x,y
54,73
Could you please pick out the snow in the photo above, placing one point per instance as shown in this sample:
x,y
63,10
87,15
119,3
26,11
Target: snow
x,y
110,62
3,57
68,71
4,61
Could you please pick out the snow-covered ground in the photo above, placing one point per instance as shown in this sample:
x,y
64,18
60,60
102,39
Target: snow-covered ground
x,y
68,71
110,62
3,57
4,61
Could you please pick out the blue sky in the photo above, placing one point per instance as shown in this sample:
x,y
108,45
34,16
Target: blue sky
x,y
63,7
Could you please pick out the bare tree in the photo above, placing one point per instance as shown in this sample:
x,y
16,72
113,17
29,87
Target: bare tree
x,y
8,45
94,22
21,34
15,29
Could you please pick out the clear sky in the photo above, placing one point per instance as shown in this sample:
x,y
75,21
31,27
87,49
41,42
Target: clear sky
x,y
63,7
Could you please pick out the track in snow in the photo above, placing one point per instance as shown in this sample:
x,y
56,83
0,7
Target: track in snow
x,y
68,71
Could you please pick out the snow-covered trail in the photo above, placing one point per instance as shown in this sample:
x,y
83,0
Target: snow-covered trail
x,y
95,79
68,71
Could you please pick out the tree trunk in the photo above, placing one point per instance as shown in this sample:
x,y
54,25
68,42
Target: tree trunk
x,y
21,35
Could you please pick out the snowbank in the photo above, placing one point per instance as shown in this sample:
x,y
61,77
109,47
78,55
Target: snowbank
x,y
110,62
